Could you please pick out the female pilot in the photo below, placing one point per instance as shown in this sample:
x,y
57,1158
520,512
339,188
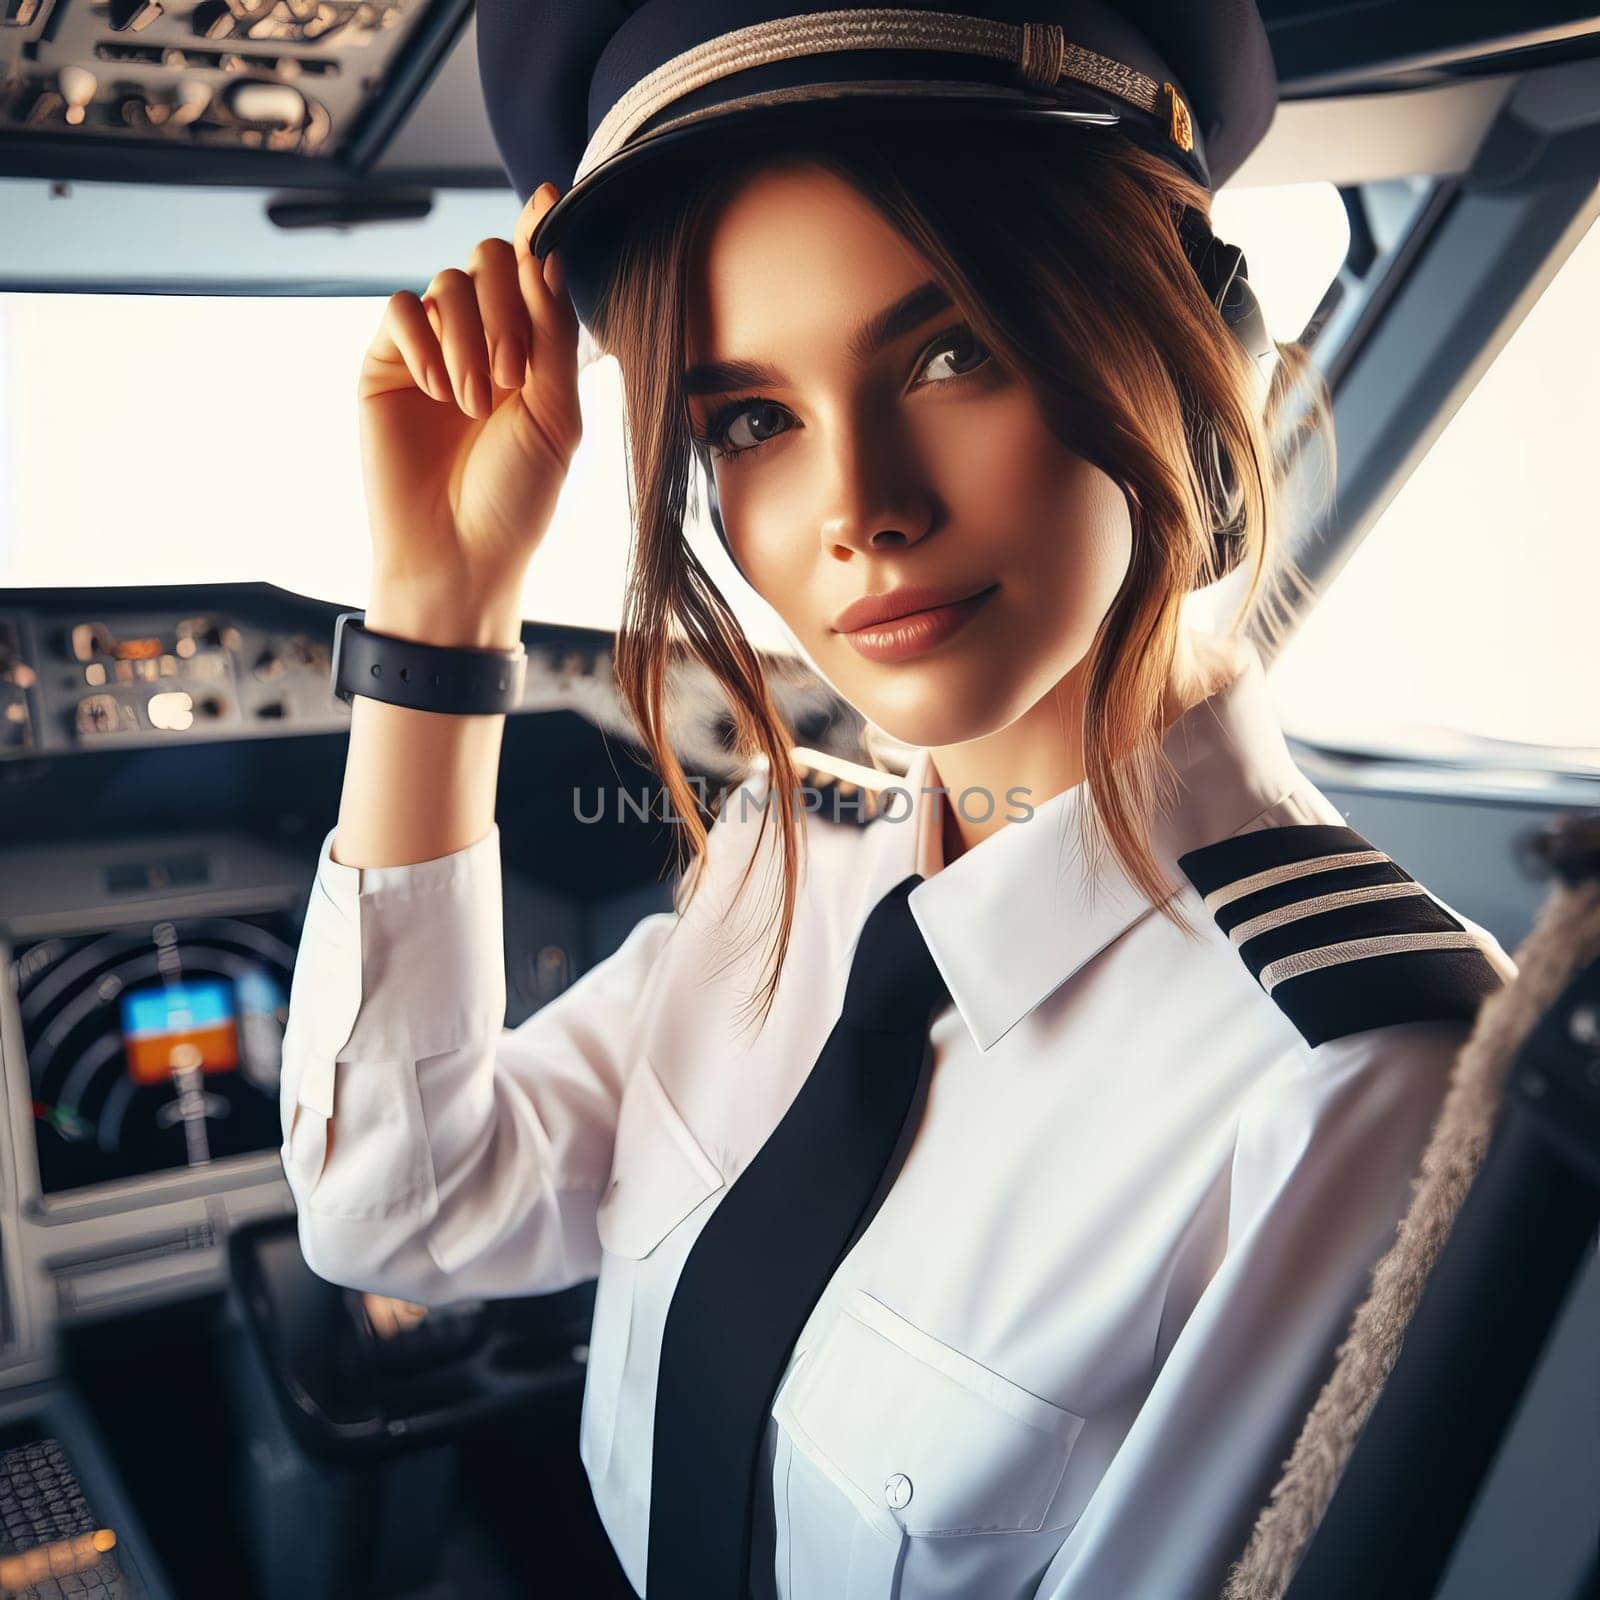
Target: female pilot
x,y
976,1195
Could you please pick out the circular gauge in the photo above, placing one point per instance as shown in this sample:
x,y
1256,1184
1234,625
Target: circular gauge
x,y
155,1046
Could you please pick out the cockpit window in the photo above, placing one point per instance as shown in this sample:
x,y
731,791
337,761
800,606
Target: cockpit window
x,y
1462,627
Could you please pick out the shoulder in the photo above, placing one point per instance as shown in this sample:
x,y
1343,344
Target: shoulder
x,y
834,811
1338,935
742,839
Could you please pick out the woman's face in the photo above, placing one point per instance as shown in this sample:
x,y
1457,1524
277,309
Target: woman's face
x,y
872,453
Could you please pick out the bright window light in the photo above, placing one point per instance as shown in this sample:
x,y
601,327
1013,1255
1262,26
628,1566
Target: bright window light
x,y
1295,239
1468,612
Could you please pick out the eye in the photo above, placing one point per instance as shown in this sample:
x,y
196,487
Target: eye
x,y
956,339
760,420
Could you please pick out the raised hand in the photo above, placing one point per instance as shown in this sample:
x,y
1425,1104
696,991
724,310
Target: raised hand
x,y
469,421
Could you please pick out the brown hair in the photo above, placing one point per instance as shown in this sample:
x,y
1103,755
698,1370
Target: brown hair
x,y
1060,245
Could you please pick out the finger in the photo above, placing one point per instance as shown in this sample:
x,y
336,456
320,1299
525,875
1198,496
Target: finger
x,y
537,203
380,1314
549,308
555,328
493,270
405,337
461,337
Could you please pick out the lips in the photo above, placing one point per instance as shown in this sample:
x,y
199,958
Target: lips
x,y
916,633
903,602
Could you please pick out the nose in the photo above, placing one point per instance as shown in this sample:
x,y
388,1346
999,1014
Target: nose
x,y
876,495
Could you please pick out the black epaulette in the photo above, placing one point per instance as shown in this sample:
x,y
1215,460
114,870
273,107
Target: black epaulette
x,y
1338,934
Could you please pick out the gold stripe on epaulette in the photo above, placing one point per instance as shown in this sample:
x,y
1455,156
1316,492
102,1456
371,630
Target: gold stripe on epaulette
x,y
1333,955
1218,898
1268,920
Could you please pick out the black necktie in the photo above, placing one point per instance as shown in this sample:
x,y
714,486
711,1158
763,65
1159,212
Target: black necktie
x,y
766,1253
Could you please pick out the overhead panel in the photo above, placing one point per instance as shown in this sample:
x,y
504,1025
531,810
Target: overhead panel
x,y
214,90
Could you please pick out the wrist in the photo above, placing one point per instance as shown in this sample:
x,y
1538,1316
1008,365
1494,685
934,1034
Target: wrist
x,y
457,620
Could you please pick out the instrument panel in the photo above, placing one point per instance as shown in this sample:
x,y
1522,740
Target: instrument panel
x,y
144,994
74,681
181,664
286,78
153,1047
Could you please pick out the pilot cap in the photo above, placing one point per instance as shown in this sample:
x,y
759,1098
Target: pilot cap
x,y
594,95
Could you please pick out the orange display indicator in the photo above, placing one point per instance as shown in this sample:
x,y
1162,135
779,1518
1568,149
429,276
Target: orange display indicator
x,y
177,1028
138,649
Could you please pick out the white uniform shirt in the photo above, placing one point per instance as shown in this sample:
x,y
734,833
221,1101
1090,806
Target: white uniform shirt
x,y
1071,1352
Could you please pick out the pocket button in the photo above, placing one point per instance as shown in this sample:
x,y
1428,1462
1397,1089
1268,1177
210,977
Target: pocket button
x,y
897,1491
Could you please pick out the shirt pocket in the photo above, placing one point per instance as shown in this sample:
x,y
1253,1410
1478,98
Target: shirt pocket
x,y
659,1175
927,1445
380,1164
324,1001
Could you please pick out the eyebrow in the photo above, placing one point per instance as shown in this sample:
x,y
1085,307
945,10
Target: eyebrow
x,y
875,334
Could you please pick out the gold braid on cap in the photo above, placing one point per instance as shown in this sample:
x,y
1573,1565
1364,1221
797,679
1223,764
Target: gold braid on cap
x,y
1041,52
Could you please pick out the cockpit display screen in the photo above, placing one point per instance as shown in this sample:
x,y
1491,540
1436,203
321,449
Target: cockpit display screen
x,y
176,1026
154,1047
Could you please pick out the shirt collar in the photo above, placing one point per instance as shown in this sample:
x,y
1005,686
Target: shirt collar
x,y
1014,917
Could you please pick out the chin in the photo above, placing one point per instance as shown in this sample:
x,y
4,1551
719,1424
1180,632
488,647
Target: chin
x,y
926,713
952,699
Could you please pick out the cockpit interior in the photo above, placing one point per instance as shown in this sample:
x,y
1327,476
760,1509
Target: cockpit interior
x,y
202,207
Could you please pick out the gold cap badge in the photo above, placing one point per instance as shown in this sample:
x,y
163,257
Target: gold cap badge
x,y
1180,127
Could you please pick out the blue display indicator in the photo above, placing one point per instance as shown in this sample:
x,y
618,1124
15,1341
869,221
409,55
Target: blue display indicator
x,y
179,1025
177,1006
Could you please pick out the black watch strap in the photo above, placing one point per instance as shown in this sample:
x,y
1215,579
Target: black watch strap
x,y
426,677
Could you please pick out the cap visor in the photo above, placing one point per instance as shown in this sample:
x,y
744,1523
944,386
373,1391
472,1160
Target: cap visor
x,y
679,139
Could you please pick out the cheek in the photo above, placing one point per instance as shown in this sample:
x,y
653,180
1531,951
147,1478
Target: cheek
x,y
764,524
1063,521
1096,540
